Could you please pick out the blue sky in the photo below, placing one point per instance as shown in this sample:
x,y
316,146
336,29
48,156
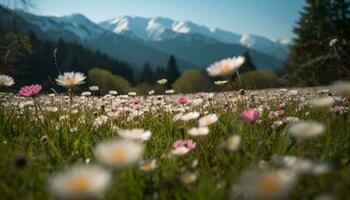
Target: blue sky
x,y
270,18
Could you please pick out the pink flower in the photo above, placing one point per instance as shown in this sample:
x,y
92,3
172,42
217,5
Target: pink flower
x,y
250,115
135,100
183,100
281,106
280,112
31,90
186,143
200,95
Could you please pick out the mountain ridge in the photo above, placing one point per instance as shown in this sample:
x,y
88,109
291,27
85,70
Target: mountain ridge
x,y
136,51
144,28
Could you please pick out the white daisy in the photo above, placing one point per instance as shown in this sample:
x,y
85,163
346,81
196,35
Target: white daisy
x,y
208,120
306,129
162,81
180,151
265,184
342,88
323,102
233,143
225,67
94,88
189,116
70,79
201,131
169,91
219,83
6,80
80,182
118,153
113,92
135,134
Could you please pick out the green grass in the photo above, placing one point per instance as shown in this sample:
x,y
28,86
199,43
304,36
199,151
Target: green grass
x,y
21,136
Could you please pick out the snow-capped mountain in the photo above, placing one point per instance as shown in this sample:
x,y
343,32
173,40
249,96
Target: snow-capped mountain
x,y
138,40
80,26
159,28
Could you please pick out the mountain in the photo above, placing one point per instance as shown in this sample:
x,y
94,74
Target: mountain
x,y
202,51
159,28
77,28
138,40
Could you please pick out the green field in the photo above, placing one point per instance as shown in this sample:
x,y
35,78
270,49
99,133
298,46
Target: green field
x,y
44,135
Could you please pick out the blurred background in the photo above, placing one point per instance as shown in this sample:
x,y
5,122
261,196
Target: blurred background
x,y
128,45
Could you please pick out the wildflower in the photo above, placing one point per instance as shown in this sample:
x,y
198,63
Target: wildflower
x,y
113,92
100,121
194,163
31,90
267,184
232,143
162,81
323,102
208,120
182,147
151,92
188,178
94,88
149,166
225,67
201,131
70,79
288,120
135,100
220,83
135,134
169,91
118,154
250,115
86,93
132,93
189,116
183,100
306,129
6,80
333,42
196,102
180,150
187,143
342,88
80,182
300,165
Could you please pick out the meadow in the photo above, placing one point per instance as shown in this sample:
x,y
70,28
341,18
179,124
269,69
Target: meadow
x,y
266,144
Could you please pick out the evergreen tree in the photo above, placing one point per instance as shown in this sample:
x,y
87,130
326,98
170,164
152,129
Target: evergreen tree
x,y
248,64
146,74
172,72
159,73
313,61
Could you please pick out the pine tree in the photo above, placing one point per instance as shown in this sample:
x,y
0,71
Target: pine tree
x,y
146,74
172,72
159,73
313,61
248,64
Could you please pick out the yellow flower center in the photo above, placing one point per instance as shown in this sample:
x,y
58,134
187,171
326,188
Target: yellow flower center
x,y
148,166
268,185
79,184
226,69
71,81
117,155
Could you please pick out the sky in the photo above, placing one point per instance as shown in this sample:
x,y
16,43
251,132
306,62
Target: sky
x,y
270,18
